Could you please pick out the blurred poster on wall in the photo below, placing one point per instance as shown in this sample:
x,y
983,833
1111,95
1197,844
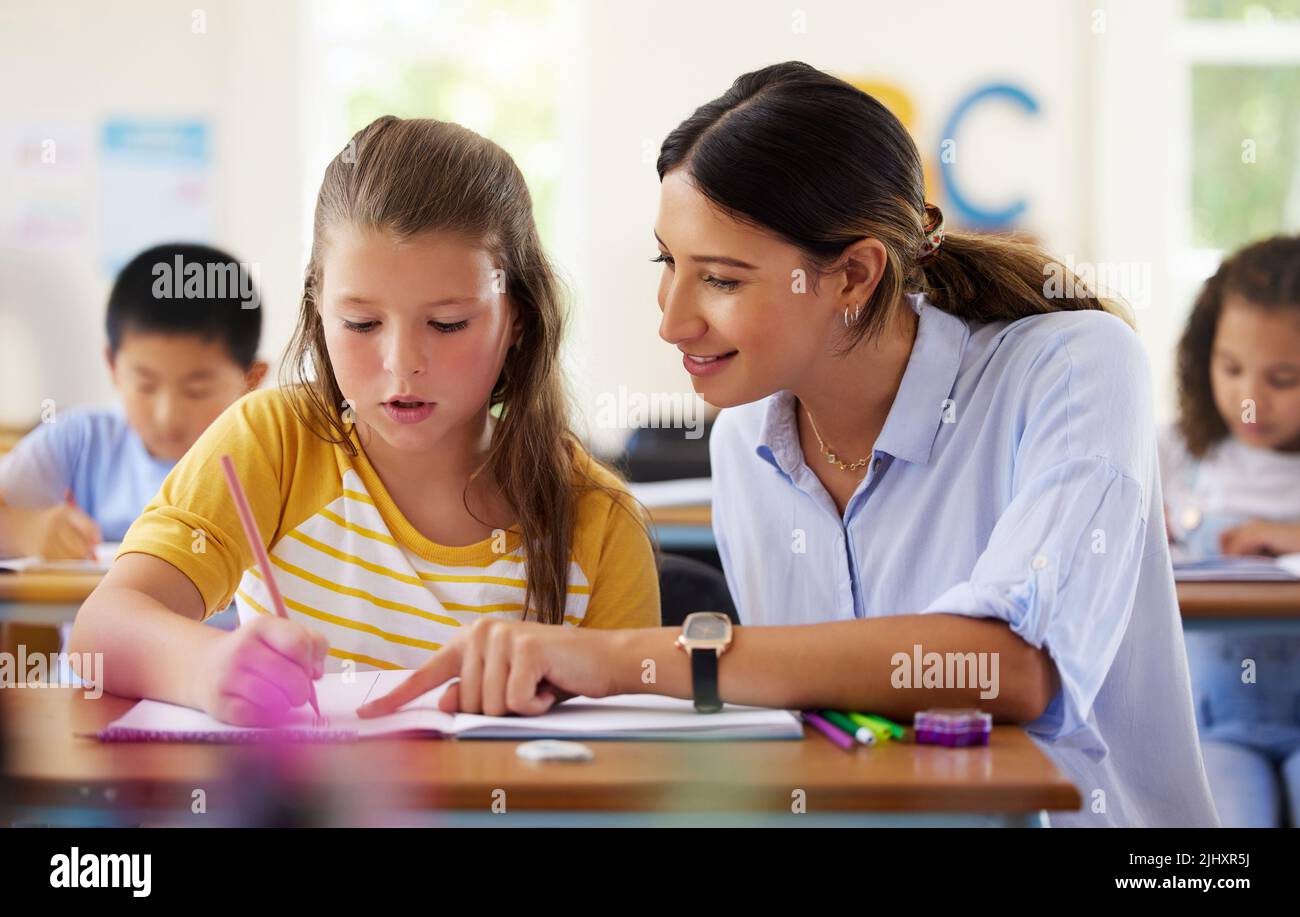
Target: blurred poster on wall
x,y
155,185
45,194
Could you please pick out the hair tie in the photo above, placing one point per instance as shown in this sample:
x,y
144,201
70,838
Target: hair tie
x,y
933,232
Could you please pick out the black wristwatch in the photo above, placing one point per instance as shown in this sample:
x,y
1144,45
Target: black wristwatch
x,y
705,636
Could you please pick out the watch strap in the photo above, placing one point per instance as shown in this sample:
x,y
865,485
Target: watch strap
x,y
704,676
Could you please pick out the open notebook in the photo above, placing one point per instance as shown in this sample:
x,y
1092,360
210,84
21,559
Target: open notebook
x,y
627,716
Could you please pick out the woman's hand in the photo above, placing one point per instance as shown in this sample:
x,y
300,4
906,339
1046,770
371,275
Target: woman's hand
x,y
255,674
510,667
1261,536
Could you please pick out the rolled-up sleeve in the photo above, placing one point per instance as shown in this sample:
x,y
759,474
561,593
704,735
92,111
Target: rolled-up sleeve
x,y
1063,560
1061,568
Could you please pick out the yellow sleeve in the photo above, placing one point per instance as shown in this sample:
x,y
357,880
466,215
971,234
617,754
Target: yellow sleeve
x,y
191,522
625,582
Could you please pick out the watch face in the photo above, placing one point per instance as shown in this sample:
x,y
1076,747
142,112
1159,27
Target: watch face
x,y
707,627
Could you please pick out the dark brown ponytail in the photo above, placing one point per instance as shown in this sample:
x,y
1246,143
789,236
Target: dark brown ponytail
x,y
823,164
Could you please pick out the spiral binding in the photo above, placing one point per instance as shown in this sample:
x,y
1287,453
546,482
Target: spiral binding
x,y
246,737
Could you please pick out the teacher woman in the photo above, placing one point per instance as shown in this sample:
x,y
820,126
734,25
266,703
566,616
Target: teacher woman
x,y
933,444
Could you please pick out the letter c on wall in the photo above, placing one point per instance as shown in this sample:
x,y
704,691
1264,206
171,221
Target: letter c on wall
x,y
967,211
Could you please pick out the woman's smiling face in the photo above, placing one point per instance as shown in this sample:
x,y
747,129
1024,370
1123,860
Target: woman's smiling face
x,y
737,298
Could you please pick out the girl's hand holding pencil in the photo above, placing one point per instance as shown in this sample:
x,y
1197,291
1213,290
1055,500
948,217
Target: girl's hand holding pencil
x,y
257,673
262,684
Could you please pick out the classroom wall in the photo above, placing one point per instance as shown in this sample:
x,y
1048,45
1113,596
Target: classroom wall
x,y
654,63
644,68
76,64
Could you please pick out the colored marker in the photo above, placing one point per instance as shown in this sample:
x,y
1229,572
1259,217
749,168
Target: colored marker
x,y
862,734
895,729
863,721
838,736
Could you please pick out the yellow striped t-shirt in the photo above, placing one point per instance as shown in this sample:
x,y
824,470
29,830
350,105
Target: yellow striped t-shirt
x,y
346,560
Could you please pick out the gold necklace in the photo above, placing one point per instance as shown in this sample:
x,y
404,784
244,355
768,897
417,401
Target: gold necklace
x,y
831,456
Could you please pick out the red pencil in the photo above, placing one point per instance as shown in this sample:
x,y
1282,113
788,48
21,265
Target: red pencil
x,y
259,550
72,501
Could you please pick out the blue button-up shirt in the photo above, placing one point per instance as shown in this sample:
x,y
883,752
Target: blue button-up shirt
x,y
1015,478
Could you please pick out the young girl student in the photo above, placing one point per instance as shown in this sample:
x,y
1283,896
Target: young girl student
x,y
928,450
1231,468
417,477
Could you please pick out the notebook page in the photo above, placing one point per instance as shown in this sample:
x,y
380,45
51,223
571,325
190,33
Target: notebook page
x,y
339,696
639,716
634,716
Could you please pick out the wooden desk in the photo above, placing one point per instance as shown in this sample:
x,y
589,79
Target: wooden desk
x,y
56,777
10,436
44,598
683,515
47,588
1253,607
35,606
683,528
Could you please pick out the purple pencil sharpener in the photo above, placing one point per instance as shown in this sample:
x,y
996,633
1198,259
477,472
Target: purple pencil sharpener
x,y
953,728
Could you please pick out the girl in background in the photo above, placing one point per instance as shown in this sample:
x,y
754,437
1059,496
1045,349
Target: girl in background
x,y
1231,469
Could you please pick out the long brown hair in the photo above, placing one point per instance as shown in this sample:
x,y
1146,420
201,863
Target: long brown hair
x,y
822,164
411,176
1267,275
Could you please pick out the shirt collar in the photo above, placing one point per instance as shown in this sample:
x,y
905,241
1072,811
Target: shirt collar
x,y
914,418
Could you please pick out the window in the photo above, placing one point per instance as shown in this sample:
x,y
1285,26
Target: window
x,y
1243,62
498,69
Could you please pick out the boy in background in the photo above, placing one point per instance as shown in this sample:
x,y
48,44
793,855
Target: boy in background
x,y
184,322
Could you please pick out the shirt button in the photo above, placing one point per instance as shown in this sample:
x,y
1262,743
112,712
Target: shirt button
x,y
1040,562
875,466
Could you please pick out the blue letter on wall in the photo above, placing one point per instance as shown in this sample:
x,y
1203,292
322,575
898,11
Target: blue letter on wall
x,y
968,212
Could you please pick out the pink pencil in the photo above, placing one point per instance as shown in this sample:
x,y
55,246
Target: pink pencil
x,y
259,550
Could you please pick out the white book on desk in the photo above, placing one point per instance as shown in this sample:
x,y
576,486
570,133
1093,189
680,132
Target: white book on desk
x,y
104,553
680,492
628,716
1236,569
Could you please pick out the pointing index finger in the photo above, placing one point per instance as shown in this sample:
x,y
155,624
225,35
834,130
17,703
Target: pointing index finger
x,y
444,665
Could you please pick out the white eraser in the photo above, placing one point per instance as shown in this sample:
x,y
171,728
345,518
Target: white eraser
x,y
554,750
